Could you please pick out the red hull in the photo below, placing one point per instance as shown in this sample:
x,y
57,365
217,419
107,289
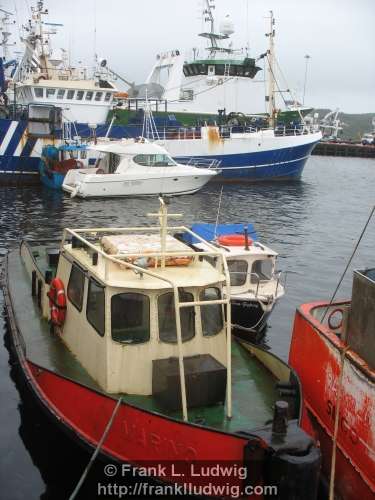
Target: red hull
x,y
315,355
138,437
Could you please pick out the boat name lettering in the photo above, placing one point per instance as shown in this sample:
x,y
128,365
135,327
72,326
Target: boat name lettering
x,y
343,423
245,305
147,439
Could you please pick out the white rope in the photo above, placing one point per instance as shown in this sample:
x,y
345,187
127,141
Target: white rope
x,y
94,455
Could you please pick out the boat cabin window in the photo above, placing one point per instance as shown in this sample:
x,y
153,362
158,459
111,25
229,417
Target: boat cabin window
x,y
89,95
211,315
38,92
60,93
167,318
70,94
98,96
130,318
107,96
262,270
80,95
51,92
76,286
113,162
95,309
237,272
154,160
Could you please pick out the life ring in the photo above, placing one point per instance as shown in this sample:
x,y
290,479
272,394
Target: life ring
x,y
234,240
332,313
57,302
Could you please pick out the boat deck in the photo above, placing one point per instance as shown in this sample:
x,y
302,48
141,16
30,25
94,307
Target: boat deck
x,y
254,391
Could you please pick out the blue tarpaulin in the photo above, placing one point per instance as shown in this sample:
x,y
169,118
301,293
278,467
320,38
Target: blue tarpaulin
x,y
207,231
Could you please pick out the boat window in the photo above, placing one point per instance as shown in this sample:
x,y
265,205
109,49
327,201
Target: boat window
x,y
80,95
107,96
154,160
113,162
76,286
51,92
70,94
237,272
73,154
262,270
89,95
98,96
38,92
211,315
167,318
60,93
130,318
95,309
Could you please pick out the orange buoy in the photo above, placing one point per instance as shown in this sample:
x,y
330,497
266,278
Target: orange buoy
x,y
57,302
234,240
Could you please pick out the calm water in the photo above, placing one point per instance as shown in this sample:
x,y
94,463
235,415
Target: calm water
x,y
313,224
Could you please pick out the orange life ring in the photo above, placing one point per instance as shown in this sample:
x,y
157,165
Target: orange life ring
x,y
234,240
57,302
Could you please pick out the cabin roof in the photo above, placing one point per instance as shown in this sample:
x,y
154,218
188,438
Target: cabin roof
x,y
128,260
130,148
255,249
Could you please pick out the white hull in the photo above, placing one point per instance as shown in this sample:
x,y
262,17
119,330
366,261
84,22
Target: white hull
x,y
86,185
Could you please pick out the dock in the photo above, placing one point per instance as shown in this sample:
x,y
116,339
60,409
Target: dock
x,y
344,149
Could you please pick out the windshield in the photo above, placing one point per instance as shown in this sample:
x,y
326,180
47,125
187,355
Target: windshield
x,y
154,160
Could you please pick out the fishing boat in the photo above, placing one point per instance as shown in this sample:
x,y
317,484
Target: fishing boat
x,y
56,162
255,285
202,102
120,335
332,351
135,168
46,101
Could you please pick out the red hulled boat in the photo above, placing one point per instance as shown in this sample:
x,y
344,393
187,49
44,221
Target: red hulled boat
x,y
122,338
333,352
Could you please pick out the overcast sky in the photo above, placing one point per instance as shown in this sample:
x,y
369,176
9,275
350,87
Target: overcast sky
x,y
339,36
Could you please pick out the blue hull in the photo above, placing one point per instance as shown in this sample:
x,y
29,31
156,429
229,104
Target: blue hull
x,y
280,164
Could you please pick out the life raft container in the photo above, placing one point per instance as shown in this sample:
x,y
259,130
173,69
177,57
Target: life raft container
x,y
234,240
57,302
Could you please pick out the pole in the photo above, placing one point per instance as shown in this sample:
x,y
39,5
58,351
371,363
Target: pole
x,y
271,76
307,57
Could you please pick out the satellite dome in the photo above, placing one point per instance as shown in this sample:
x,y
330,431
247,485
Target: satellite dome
x,y
226,26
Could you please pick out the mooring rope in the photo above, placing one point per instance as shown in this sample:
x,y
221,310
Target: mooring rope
x,y
349,261
94,455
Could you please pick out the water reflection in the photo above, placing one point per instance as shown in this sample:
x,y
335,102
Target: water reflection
x,y
313,224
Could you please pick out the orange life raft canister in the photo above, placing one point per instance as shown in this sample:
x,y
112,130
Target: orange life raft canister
x,y
234,240
57,302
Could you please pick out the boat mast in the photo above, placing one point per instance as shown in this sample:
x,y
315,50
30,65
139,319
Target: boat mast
x,y
271,75
4,23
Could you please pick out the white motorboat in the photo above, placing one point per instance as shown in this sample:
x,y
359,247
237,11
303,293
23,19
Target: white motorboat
x,y
255,284
136,168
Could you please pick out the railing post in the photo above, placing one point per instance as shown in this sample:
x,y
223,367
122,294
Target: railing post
x,y
180,353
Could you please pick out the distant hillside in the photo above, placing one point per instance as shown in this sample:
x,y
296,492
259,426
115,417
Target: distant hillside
x,y
355,124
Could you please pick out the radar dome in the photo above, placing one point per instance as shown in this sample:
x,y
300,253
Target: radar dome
x,y
226,26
